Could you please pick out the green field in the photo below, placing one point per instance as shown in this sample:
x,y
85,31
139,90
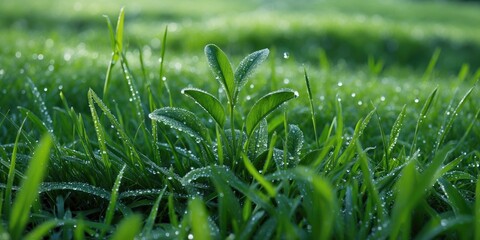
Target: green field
x,y
253,119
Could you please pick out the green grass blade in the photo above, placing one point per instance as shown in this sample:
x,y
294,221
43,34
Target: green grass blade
x,y
222,69
198,219
110,31
454,198
312,108
181,120
423,115
100,132
208,102
119,34
29,189
323,59
431,65
443,134
397,127
265,106
42,230
113,200
295,142
11,173
257,176
128,228
247,66
153,213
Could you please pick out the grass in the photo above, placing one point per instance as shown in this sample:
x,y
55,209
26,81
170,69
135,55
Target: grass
x,y
323,134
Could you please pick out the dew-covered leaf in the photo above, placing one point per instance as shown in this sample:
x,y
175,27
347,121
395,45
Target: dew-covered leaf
x,y
259,140
265,106
181,120
247,67
208,102
294,143
222,69
397,126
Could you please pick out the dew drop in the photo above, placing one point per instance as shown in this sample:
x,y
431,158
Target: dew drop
x,y
286,55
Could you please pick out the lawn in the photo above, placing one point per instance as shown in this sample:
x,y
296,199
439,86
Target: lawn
x,y
248,119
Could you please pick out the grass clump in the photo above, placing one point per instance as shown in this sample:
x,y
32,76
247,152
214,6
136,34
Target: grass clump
x,y
139,161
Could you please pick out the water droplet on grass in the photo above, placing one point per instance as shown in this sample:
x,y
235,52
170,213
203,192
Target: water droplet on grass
x,y
18,54
286,55
339,84
286,81
359,103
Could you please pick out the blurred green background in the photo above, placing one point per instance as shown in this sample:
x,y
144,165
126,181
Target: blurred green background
x,y
404,33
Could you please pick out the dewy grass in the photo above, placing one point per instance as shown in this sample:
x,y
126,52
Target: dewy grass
x,y
125,165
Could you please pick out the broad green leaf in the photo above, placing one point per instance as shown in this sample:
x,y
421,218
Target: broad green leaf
x,y
208,102
259,141
222,69
199,219
128,228
181,120
29,189
294,143
247,67
265,106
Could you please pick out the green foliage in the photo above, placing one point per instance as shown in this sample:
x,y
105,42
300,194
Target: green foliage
x,y
248,166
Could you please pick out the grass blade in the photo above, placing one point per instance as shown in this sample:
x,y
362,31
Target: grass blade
x,y
423,115
153,213
199,219
102,143
208,102
477,211
128,228
181,120
113,200
222,69
29,189
397,127
247,66
265,106
254,172
40,231
312,108
431,65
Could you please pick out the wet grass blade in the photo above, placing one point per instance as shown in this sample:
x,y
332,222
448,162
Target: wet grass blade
x,y
29,188
397,127
112,205
257,176
446,129
181,120
11,173
421,117
312,108
222,69
100,132
153,213
265,106
198,219
208,102
247,66
477,210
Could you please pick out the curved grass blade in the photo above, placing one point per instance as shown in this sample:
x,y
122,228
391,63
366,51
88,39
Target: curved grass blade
x,y
41,230
208,102
29,189
100,131
128,228
181,120
397,126
222,69
312,108
265,106
119,34
199,219
247,66
75,186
